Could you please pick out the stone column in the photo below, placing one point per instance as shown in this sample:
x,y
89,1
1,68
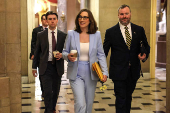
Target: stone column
x,y
31,26
62,13
24,42
73,8
4,95
10,60
94,7
82,4
168,60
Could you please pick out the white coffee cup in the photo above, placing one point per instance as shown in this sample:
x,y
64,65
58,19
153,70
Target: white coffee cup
x,y
55,52
75,53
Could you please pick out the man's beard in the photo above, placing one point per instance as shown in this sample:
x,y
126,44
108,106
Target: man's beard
x,y
125,22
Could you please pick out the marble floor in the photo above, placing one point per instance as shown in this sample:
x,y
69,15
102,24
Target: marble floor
x,y
148,97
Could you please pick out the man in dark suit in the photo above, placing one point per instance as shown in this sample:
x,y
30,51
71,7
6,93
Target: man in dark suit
x,y
34,34
124,40
34,39
50,68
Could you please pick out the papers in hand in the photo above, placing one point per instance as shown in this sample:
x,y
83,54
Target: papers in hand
x,y
97,69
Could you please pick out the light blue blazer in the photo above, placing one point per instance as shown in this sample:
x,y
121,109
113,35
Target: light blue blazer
x,y
96,53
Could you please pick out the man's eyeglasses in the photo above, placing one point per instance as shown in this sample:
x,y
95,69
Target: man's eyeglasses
x,y
84,17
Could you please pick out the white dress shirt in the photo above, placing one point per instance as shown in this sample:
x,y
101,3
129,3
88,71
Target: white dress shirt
x,y
50,42
122,28
44,27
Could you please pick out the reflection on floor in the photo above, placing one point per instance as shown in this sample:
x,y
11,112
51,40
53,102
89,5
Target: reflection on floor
x,y
148,97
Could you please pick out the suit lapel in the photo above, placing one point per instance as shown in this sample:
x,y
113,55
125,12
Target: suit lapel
x,y
92,40
46,39
58,40
77,41
133,33
120,36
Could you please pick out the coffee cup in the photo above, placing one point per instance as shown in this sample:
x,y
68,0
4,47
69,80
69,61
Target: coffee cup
x,y
55,52
74,54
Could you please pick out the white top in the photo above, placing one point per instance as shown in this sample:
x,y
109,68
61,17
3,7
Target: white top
x,y
50,42
84,52
122,28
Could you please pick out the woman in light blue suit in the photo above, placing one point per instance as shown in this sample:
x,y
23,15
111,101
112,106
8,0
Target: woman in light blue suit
x,y
87,41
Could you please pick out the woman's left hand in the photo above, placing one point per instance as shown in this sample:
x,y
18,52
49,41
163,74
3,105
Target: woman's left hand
x,y
104,78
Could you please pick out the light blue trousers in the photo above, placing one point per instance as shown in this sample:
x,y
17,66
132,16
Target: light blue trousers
x,y
83,89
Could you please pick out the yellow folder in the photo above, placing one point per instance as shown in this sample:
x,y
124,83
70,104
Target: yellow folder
x,y
97,69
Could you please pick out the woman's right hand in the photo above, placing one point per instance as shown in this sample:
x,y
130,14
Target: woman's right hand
x,y
104,78
71,58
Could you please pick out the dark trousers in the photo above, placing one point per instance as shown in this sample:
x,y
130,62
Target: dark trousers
x,y
51,84
123,91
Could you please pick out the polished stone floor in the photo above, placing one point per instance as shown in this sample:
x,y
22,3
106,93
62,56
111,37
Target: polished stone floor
x,y
148,97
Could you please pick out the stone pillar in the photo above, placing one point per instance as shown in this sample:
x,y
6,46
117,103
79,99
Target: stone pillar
x,y
4,95
168,60
62,13
82,4
94,7
31,26
73,8
10,61
24,42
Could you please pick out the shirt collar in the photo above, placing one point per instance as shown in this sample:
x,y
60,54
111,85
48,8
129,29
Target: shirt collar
x,y
44,27
123,27
49,30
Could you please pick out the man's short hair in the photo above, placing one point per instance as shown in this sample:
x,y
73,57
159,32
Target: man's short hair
x,y
51,13
123,6
42,16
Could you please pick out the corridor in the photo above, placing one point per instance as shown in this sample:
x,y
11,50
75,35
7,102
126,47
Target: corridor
x,y
149,97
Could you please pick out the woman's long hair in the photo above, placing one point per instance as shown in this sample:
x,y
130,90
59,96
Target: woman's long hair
x,y
92,28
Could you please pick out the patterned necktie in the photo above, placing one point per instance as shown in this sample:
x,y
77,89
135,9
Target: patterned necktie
x,y
53,41
128,38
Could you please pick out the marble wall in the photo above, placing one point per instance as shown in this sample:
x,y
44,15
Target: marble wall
x,y
10,61
140,9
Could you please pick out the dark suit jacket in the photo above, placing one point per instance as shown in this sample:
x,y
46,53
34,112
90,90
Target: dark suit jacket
x,y
34,38
42,51
120,55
